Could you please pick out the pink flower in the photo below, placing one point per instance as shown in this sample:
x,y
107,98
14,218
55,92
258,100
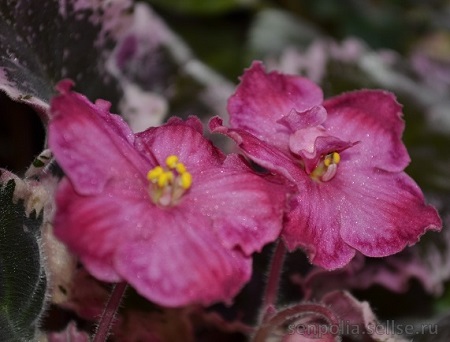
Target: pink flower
x,y
163,209
344,155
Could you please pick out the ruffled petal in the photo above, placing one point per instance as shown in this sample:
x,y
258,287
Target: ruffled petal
x,y
228,196
380,212
301,120
376,213
372,117
184,262
91,145
312,144
260,152
263,99
313,223
181,139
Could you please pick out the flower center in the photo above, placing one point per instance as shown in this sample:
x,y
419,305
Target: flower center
x,y
326,169
168,184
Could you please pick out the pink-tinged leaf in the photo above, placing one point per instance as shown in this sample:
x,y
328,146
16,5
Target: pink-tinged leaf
x,y
262,99
34,57
116,50
358,320
154,66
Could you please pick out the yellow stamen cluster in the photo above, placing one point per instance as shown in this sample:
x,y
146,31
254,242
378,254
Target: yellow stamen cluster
x,y
169,184
332,158
327,168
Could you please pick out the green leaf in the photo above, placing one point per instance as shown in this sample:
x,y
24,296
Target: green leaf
x,y
22,276
42,42
202,6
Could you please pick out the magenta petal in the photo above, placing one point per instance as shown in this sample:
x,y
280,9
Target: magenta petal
x,y
311,144
313,223
376,213
372,117
181,139
177,243
381,212
259,151
81,135
299,120
183,262
262,99
192,122
238,223
87,227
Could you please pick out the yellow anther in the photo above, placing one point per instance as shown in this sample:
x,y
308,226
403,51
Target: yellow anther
x,y
186,180
327,161
172,161
181,168
168,182
154,173
164,179
336,158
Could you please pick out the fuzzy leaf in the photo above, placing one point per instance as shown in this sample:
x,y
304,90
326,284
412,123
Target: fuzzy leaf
x,y
22,276
42,42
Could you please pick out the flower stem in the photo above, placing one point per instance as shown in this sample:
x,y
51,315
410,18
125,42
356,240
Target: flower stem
x,y
110,311
273,282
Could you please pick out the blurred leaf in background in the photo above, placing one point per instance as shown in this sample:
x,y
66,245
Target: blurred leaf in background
x,y
23,281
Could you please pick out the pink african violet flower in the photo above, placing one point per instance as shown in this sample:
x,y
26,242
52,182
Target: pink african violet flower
x,y
346,157
162,209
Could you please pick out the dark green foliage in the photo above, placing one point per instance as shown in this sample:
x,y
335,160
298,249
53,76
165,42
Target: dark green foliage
x,y
22,276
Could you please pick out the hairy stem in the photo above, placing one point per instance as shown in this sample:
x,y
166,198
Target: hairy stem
x,y
110,311
273,282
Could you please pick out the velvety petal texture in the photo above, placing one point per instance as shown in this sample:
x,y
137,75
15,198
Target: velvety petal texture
x,y
263,99
187,240
345,158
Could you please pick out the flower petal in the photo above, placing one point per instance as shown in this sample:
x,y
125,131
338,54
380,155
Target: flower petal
x,y
184,262
91,162
93,226
260,152
263,99
301,120
228,196
380,212
372,117
377,213
182,139
313,143
313,223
